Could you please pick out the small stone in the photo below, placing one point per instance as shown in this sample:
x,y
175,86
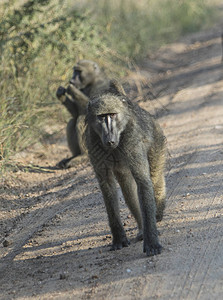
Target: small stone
x,y
5,243
63,276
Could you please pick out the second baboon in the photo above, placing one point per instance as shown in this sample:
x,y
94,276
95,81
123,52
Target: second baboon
x,y
125,143
87,81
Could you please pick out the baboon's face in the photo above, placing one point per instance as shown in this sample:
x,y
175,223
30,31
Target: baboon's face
x,y
84,73
110,120
108,128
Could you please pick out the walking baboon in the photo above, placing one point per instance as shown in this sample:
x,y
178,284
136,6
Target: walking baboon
x,y
126,143
87,81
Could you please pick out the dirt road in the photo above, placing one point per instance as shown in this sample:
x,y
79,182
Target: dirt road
x,y
54,241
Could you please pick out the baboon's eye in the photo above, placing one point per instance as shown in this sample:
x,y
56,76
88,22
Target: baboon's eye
x,y
113,116
77,73
101,117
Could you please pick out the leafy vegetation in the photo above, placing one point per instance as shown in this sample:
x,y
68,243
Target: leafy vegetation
x,y
41,39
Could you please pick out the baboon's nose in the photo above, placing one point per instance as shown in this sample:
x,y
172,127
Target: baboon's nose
x,y
110,143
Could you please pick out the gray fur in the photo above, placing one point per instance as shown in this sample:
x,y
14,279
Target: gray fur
x,y
128,146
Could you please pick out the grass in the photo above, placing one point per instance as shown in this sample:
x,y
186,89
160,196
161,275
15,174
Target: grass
x,y
136,28
41,39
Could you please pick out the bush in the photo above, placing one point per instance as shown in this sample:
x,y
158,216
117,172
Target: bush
x,y
39,41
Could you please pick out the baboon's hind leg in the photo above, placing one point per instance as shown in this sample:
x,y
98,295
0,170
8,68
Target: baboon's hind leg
x,y
72,138
79,143
160,195
80,130
72,144
159,186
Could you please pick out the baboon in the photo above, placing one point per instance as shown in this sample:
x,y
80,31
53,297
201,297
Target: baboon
x,y
125,143
87,81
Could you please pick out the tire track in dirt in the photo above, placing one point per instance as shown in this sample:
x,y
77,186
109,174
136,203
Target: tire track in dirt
x,y
204,286
35,220
204,260
189,284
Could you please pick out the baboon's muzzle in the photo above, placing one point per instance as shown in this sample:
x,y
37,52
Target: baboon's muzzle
x,y
109,134
110,144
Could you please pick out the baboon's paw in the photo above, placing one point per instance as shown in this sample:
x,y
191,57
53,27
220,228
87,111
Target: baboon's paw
x,y
152,250
119,245
159,217
139,236
61,91
63,164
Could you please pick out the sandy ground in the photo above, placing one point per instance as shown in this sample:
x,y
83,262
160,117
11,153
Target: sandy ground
x,y
54,236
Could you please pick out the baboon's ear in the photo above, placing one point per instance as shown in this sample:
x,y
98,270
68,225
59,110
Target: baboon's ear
x,y
116,88
96,68
89,105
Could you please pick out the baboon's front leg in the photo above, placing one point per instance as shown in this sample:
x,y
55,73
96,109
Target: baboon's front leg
x,y
150,234
129,190
109,191
68,102
61,93
81,98
141,174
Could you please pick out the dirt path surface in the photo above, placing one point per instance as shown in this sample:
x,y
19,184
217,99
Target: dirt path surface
x,y
54,241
